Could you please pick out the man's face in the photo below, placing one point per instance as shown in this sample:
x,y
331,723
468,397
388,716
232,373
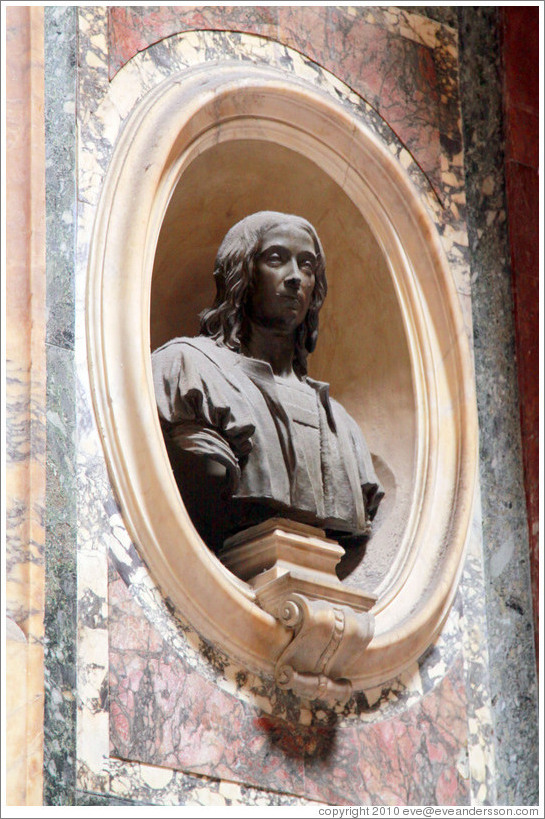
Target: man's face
x,y
284,278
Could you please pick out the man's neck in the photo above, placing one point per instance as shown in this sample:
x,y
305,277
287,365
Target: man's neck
x,y
273,346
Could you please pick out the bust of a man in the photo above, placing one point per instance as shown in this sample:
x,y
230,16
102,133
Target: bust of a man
x,y
250,436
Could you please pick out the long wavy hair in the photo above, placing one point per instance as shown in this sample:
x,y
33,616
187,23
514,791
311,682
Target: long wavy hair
x,y
227,320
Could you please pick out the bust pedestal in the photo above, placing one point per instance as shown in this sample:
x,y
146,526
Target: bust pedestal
x,y
291,568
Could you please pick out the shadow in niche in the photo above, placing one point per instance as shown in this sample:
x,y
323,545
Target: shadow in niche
x,y
300,741
354,554
202,493
215,515
356,549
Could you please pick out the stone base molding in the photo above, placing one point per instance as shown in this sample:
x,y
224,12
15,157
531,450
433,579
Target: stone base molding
x,y
291,567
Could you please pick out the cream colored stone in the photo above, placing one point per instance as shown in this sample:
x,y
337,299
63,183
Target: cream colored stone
x,y
93,60
231,791
93,740
93,643
16,716
99,41
156,778
458,161
483,714
169,130
278,546
477,763
481,794
422,29
412,680
208,798
305,716
405,158
450,179
457,236
373,694
462,765
487,188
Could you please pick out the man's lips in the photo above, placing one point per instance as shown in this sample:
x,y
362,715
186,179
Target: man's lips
x,y
292,297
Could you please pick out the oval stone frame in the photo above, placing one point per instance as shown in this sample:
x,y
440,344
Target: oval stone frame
x,y
168,128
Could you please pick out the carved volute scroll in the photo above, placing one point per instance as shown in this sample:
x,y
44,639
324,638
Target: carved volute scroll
x,y
292,569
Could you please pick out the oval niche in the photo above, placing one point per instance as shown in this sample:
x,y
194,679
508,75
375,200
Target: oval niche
x,y
362,350
194,158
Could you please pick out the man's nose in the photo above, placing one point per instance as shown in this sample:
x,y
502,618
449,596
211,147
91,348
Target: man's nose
x,y
293,278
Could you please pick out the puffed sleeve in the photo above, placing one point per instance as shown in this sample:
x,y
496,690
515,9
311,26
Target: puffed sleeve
x,y
370,484
201,411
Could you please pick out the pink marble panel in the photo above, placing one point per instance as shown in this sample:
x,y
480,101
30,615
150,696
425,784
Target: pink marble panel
x,y
408,760
395,73
163,712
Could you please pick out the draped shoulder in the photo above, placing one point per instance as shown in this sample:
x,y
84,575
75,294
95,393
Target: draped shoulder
x,y
195,383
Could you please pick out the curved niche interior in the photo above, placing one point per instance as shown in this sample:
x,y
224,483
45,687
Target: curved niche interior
x,y
193,158
362,350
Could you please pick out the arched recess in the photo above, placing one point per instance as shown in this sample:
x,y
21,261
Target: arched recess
x,y
362,351
174,125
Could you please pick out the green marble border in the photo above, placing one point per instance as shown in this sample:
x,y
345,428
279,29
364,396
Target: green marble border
x,y
512,668
60,34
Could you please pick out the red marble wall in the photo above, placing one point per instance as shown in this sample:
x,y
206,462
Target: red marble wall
x,y
520,53
364,51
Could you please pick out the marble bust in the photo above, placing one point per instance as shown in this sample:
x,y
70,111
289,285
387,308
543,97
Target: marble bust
x,y
249,434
